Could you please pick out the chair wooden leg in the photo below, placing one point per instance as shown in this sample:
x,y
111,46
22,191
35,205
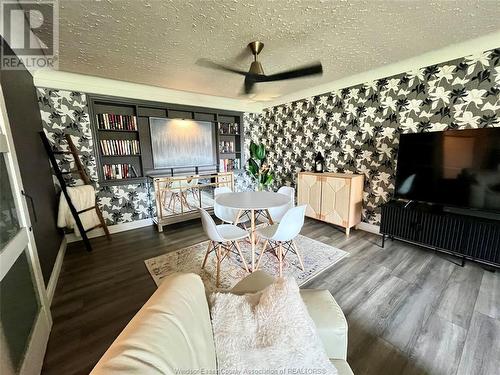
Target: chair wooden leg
x,y
261,253
206,255
185,196
217,277
170,200
237,218
269,217
280,258
183,201
298,254
241,255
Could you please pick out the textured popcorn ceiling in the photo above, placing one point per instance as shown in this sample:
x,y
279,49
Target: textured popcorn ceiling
x,y
158,42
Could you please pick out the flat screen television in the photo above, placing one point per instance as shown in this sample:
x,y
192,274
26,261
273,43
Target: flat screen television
x,y
455,168
177,143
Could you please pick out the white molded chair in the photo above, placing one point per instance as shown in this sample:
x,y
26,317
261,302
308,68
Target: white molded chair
x,y
223,241
277,213
282,235
191,185
179,189
227,215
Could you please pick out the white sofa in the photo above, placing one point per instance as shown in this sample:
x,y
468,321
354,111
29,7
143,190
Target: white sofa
x,y
172,333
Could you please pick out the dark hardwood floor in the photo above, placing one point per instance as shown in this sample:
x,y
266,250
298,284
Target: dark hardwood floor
x,y
409,310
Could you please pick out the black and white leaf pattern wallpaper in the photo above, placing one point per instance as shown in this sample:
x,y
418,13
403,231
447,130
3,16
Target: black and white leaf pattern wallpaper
x,y
65,112
357,128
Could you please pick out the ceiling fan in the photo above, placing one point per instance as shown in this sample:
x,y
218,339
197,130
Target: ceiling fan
x,y
256,73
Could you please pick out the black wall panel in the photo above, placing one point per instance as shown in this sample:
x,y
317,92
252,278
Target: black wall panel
x,y
25,121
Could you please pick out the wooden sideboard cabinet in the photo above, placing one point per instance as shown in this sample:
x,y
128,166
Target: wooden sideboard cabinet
x,y
335,198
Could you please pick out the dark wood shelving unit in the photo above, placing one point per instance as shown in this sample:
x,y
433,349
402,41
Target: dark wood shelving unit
x,y
119,156
123,181
143,110
117,131
115,106
229,132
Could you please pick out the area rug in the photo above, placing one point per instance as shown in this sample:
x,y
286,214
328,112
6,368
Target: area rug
x,y
317,258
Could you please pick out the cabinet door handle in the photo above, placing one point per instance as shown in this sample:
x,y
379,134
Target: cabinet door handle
x,y
32,203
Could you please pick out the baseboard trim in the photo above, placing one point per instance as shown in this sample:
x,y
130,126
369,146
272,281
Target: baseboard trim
x,y
70,237
372,228
56,271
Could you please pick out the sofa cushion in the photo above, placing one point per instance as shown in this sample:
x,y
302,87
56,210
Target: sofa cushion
x,y
172,332
329,320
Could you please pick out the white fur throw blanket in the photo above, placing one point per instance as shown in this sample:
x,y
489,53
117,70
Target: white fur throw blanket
x,y
82,197
270,331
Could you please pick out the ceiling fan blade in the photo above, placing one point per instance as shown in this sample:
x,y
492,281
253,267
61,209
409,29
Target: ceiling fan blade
x,y
248,85
305,71
211,65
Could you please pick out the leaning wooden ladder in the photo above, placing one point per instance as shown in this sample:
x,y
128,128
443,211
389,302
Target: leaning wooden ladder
x,y
80,170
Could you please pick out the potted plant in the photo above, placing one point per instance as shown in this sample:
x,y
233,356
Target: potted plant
x,y
257,167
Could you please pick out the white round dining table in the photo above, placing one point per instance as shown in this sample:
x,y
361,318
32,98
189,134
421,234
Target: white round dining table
x,y
252,201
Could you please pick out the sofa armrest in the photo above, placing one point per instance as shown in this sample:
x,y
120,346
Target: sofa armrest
x,y
329,320
171,331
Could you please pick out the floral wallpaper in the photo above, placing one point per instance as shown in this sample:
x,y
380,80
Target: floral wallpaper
x,y
65,112
357,128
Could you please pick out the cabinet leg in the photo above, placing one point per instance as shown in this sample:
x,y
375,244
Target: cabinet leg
x,y
383,241
347,231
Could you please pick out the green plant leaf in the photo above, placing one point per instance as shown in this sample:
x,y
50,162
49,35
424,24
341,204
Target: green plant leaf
x,y
253,150
260,152
253,168
262,178
269,179
256,164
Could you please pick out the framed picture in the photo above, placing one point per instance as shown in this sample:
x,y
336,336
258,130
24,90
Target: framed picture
x,y
180,143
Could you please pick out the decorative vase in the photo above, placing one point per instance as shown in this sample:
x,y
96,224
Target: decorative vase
x,y
319,163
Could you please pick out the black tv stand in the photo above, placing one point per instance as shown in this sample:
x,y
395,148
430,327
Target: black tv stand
x,y
468,237
474,213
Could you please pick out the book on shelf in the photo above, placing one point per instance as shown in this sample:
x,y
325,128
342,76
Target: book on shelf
x,y
119,147
228,128
110,121
228,165
134,171
119,171
226,147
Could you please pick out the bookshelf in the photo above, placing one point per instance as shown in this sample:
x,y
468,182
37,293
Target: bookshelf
x,y
125,137
229,143
117,142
